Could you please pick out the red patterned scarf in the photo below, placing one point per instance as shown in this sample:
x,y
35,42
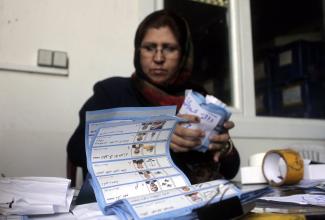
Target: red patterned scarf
x,y
155,96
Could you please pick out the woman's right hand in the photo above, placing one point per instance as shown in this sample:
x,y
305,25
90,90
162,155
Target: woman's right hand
x,y
185,139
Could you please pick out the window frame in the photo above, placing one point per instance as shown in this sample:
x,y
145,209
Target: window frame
x,y
248,125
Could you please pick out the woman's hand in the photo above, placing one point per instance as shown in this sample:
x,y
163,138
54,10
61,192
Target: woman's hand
x,y
219,143
185,139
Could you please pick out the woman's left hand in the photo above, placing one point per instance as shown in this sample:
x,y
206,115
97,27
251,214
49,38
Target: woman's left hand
x,y
219,142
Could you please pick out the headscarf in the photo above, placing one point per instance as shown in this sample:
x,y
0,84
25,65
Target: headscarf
x,y
173,92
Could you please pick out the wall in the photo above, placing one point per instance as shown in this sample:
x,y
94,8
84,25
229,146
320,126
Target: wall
x,y
39,112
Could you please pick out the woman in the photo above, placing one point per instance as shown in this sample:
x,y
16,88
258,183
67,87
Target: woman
x,y
163,64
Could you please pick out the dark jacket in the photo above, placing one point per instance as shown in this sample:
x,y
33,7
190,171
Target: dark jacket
x,y
120,92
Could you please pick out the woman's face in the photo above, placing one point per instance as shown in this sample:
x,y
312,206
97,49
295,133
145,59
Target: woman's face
x,y
159,55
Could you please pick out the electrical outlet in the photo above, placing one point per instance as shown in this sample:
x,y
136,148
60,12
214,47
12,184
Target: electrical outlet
x,y
60,59
44,57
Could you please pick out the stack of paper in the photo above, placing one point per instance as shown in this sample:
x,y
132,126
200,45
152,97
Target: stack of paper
x,y
212,112
91,211
301,199
34,195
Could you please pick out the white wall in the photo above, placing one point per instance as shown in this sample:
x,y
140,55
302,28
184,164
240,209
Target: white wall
x,y
39,112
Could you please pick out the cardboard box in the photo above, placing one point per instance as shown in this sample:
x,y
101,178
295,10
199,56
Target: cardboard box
x,y
314,171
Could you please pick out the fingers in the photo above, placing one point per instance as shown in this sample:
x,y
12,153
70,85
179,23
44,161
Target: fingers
x,y
216,156
219,138
185,139
178,148
218,145
189,118
181,144
188,133
218,149
229,125
217,142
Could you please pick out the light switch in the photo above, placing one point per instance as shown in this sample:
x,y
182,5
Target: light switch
x,y
44,57
60,59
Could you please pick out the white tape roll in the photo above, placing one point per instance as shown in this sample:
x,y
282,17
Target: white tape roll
x,y
251,175
256,160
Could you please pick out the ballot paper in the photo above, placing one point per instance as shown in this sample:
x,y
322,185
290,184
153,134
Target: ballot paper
x,y
91,211
212,112
301,199
13,217
34,195
131,170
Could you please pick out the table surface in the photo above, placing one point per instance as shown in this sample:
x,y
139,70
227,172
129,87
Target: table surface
x,y
276,210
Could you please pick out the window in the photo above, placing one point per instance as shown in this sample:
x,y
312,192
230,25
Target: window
x,y
250,124
209,28
289,58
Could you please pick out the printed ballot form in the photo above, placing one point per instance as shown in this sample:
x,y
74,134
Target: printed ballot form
x,y
132,173
131,158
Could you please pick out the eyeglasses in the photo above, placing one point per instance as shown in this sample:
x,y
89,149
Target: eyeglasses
x,y
169,51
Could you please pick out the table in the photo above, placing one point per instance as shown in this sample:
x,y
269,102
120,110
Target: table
x,y
267,210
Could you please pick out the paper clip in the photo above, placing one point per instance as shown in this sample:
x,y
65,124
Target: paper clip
x,y
218,192
9,203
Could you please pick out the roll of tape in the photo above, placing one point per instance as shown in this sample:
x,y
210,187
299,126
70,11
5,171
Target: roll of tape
x,y
283,167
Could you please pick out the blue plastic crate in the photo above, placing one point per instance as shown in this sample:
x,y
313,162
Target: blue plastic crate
x,y
302,99
263,98
262,69
297,60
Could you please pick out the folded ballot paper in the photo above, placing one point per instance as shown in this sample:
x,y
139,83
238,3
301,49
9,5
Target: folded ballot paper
x,y
34,195
212,112
131,170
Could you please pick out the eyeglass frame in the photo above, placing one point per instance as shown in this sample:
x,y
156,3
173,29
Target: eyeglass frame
x,y
167,50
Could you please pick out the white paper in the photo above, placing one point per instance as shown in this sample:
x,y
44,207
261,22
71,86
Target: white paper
x,y
34,195
302,199
13,217
59,216
91,211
